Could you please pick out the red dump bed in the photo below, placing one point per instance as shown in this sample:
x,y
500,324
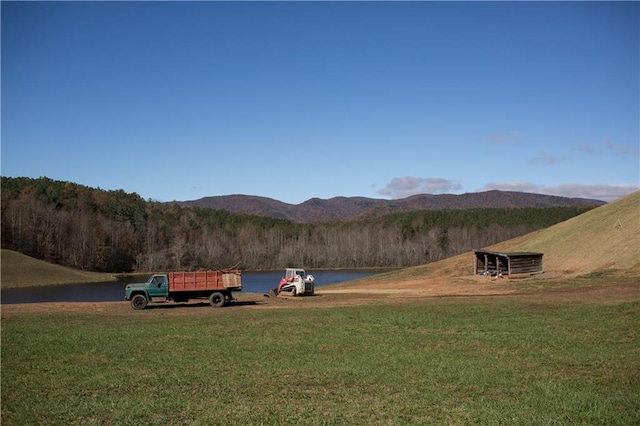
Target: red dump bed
x,y
205,280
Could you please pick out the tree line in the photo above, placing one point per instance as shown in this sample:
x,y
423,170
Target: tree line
x,y
114,231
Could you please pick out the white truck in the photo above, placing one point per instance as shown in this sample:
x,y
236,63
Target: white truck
x,y
296,282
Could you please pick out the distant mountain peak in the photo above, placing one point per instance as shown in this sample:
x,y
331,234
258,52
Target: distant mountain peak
x,y
316,210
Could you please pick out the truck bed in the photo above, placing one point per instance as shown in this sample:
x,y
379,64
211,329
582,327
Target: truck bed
x,y
205,280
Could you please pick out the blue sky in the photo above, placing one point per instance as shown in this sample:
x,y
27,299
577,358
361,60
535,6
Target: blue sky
x,y
295,100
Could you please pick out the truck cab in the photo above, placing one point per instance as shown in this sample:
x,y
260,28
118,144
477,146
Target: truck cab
x,y
157,286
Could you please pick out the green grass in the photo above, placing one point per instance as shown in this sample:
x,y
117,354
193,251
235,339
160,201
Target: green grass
x,y
443,361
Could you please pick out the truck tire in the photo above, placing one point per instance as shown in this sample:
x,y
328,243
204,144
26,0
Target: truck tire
x,y
139,302
294,292
217,300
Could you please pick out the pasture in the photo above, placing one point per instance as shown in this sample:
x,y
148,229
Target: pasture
x,y
330,359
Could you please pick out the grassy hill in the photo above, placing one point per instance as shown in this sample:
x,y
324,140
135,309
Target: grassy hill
x,y
19,270
606,238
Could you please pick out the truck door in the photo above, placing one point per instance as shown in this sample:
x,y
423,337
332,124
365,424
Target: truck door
x,y
159,286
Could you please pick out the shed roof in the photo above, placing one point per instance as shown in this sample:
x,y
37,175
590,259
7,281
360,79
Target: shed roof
x,y
511,253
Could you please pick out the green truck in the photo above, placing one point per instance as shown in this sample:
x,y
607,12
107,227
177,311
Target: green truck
x,y
180,287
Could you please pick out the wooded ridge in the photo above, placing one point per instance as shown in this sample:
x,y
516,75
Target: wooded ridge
x,y
114,231
317,210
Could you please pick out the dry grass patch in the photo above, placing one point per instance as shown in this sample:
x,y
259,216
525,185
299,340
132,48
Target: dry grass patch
x,y
19,270
604,238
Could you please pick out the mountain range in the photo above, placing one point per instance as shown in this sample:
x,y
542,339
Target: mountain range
x,y
317,210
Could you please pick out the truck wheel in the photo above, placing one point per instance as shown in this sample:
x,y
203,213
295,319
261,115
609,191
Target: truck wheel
x,y
294,292
138,302
217,300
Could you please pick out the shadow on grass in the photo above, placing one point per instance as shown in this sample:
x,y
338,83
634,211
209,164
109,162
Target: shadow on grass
x,y
196,305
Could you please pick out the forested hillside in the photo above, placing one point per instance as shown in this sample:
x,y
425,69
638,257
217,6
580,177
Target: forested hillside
x,y
316,210
114,231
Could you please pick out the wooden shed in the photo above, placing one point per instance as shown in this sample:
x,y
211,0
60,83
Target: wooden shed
x,y
492,263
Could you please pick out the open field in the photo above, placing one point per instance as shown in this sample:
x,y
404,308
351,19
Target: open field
x,y
538,356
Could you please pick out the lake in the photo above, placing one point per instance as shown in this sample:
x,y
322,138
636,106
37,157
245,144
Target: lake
x,y
252,282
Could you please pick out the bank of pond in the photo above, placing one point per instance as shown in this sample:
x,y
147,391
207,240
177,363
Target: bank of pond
x,y
252,282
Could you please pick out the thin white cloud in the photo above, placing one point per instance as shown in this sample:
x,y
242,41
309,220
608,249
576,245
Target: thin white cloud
x,y
407,186
604,192
610,147
621,149
519,186
510,138
586,148
546,158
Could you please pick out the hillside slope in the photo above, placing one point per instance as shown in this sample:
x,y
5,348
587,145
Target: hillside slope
x,y
605,238
19,270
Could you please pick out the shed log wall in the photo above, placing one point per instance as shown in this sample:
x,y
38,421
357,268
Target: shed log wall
x,y
489,262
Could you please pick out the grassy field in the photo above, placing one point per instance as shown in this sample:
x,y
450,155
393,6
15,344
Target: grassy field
x,y
491,360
